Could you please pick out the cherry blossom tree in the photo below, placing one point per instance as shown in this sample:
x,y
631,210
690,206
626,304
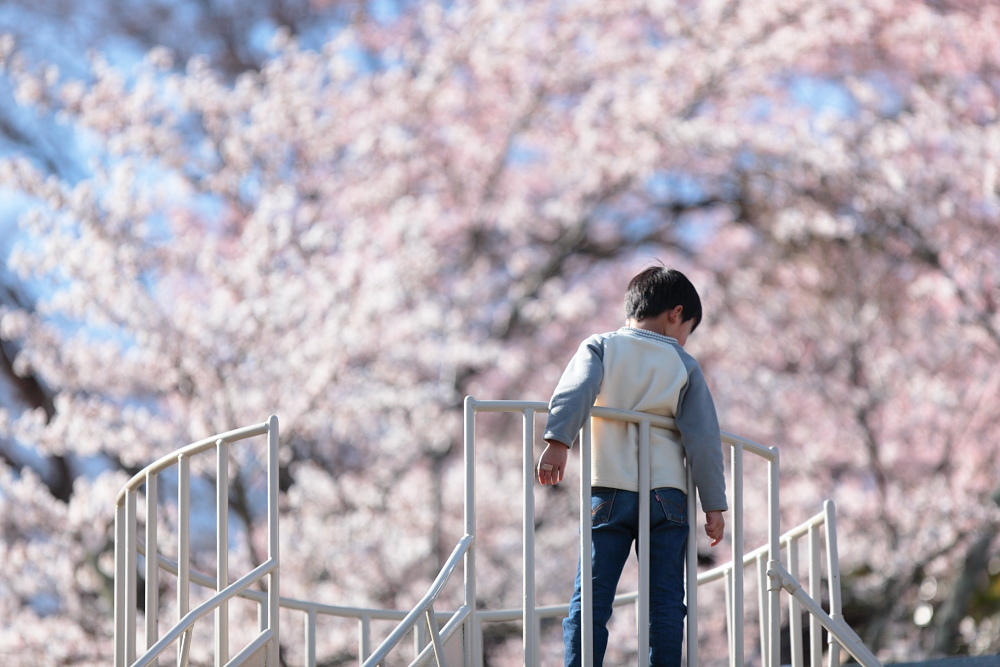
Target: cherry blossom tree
x,y
356,232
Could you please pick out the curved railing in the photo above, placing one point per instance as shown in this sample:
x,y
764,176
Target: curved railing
x,y
458,634
128,548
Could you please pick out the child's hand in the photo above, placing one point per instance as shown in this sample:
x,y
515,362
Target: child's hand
x,y
715,526
552,463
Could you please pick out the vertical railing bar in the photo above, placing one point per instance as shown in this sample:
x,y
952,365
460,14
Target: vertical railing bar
x,y
121,598
152,567
472,654
528,529
183,534
586,569
691,588
477,629
730,639
131,574
184,650
833,577
538,633
762,606
794,606
310,632
436,638
739,572
642,612
815,592
273,590
365,637
222,549
774,555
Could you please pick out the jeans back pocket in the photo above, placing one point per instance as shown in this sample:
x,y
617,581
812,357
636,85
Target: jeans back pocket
x,y
674,504
602,501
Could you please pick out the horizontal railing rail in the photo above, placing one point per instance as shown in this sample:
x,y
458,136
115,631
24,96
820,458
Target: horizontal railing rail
x,y
170,460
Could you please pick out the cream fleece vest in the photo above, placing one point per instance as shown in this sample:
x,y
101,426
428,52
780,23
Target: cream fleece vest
x,y
647,375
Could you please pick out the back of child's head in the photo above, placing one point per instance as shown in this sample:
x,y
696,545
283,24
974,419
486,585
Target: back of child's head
x,y
659,289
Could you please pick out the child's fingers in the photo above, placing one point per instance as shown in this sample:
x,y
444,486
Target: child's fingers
x,y
549,474
714,533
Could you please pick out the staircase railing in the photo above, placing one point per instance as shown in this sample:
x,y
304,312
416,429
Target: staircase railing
x,y
773,576
128,548
451,637
425,610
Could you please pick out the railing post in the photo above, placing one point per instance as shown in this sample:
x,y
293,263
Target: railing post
x,y
728,578
152,567
762,613
833,577
774,556
586,564
310,637
273,590
436,637
121,598
221,549
528,543
815,591
794,607
421,636
364,637
691,588
131,576
473,654
183,534
642,613
737,644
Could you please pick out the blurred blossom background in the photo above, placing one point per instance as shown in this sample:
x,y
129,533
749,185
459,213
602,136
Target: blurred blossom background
x,y
353,214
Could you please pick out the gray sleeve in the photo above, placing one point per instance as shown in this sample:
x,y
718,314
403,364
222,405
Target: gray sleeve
x,y
574,396
699,427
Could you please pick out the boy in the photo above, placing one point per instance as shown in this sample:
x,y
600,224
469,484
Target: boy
x,y
643,367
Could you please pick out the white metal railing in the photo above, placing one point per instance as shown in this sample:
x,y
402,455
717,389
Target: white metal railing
x,y
431,630
773,576
128,547
312,611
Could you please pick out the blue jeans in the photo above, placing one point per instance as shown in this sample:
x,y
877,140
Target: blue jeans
x,y
615,518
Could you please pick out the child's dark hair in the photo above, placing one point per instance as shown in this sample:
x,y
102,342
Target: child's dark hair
x,y
659,289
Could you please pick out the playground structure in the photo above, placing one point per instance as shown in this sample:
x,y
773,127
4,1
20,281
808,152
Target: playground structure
x,y
454,637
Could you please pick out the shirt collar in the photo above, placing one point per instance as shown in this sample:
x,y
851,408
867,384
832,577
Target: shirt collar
x,y
650,334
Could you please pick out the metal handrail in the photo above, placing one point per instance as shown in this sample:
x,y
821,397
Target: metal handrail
x,y
182,627
170,460
425,607
750,557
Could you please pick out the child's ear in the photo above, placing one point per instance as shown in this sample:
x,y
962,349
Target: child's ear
x,y
677,313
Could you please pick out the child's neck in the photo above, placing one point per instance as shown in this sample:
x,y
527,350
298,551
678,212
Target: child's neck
x,y
653,324
668,323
